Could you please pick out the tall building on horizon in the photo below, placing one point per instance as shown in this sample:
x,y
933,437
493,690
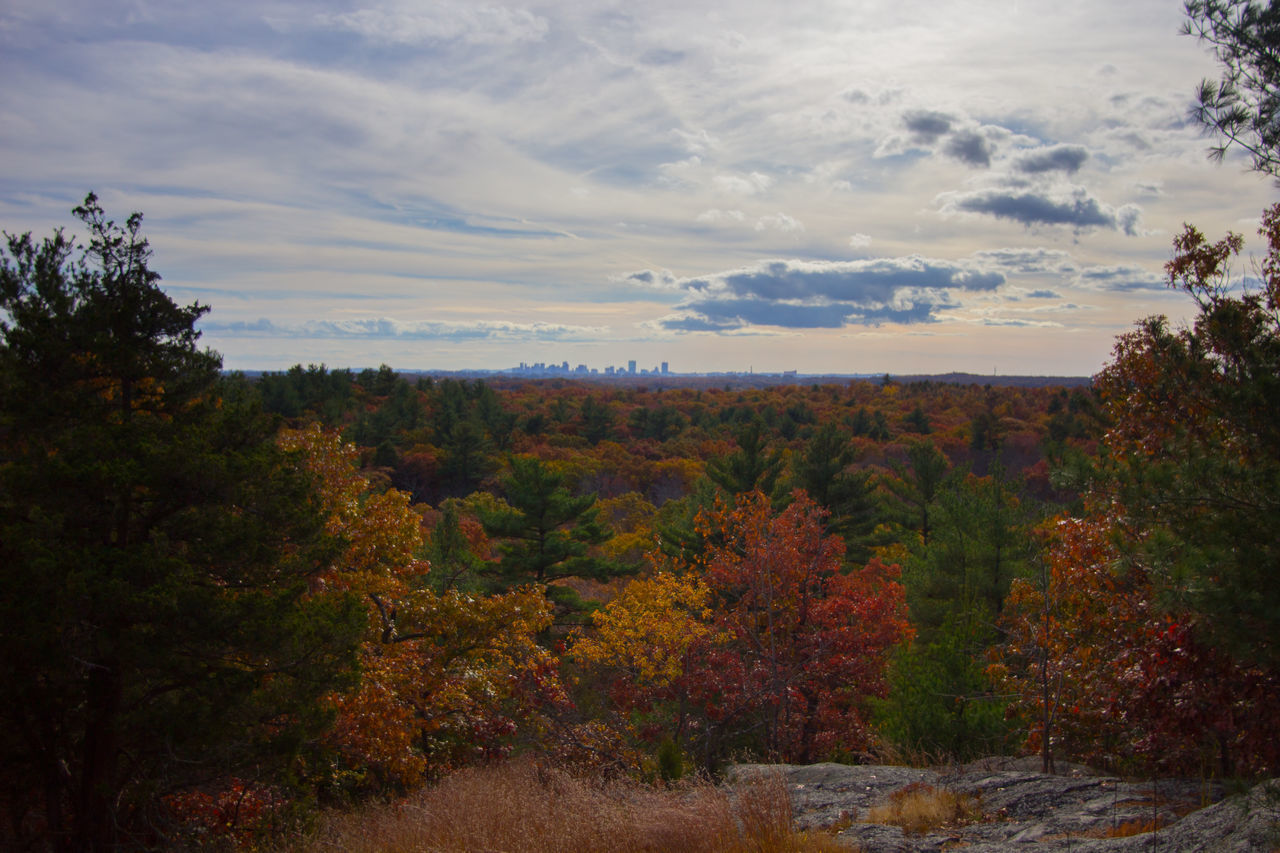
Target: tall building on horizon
x,y
631,367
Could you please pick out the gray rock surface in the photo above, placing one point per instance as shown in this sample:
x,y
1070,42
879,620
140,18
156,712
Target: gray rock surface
x,y
1028,812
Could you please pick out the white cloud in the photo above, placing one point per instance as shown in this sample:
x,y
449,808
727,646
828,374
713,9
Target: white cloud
x,y
749,184
779,222
495,161
716,216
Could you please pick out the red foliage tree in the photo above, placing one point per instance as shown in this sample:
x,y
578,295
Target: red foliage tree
x,y
780,649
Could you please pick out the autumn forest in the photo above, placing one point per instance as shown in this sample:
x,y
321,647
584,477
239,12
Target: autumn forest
x,y
228,602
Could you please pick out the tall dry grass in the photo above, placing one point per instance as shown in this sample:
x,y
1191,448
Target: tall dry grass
x,y
920,808
526,808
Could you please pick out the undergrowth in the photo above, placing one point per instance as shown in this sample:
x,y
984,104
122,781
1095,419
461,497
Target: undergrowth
x,y
920,808
531,808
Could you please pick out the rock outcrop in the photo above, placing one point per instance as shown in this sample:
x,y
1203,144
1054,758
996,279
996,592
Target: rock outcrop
x,y
1018,809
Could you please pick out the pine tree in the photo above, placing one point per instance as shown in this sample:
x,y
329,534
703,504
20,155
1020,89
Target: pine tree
x,y
155,551
546,533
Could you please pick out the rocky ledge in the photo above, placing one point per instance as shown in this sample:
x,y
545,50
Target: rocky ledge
x,y
1012,808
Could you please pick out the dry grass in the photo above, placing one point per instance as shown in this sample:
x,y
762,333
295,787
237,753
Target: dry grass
x,y
531,809
920,808
1137,826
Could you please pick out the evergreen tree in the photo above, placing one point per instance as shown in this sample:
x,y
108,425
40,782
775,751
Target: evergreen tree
x,y
597,420
155,552
546,532
1243,107
823,471
914,487
750,468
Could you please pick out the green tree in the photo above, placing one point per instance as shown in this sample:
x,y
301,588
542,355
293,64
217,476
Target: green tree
x,y
1242,108
597,420
155,552
823,470
658,423
976,548
917,421
546,532
913,488
940,700
753,466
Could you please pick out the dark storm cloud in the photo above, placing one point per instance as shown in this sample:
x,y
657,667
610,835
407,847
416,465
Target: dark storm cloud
x,y
926,125
1081,211
970,147
1059,158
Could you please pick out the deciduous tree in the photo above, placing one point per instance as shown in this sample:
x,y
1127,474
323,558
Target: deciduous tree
x,y
446,677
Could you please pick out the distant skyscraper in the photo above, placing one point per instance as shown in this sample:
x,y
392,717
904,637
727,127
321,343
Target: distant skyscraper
x,y
631,366
664,368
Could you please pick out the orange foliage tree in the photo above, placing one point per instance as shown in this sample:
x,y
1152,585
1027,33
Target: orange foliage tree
x,y
446,677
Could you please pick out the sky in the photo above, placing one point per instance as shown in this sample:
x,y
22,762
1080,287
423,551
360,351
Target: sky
x,y
829,187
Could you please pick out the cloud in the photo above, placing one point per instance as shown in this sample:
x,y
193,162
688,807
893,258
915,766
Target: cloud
x,y
1019,322
969,146
860,241
698,143
382,328
662,56
927,126
797,294
779,222
660,280
750,184
1127,218
1059,158
1028,261
716,216
1077,209
1121,277
478,24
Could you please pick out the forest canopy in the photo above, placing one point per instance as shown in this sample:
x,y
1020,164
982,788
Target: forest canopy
x,y
229,601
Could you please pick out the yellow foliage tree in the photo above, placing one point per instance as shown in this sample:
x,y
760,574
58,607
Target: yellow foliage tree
x,y
446,678
646,632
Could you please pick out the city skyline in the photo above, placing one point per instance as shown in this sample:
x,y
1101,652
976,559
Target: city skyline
x,y
832,187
